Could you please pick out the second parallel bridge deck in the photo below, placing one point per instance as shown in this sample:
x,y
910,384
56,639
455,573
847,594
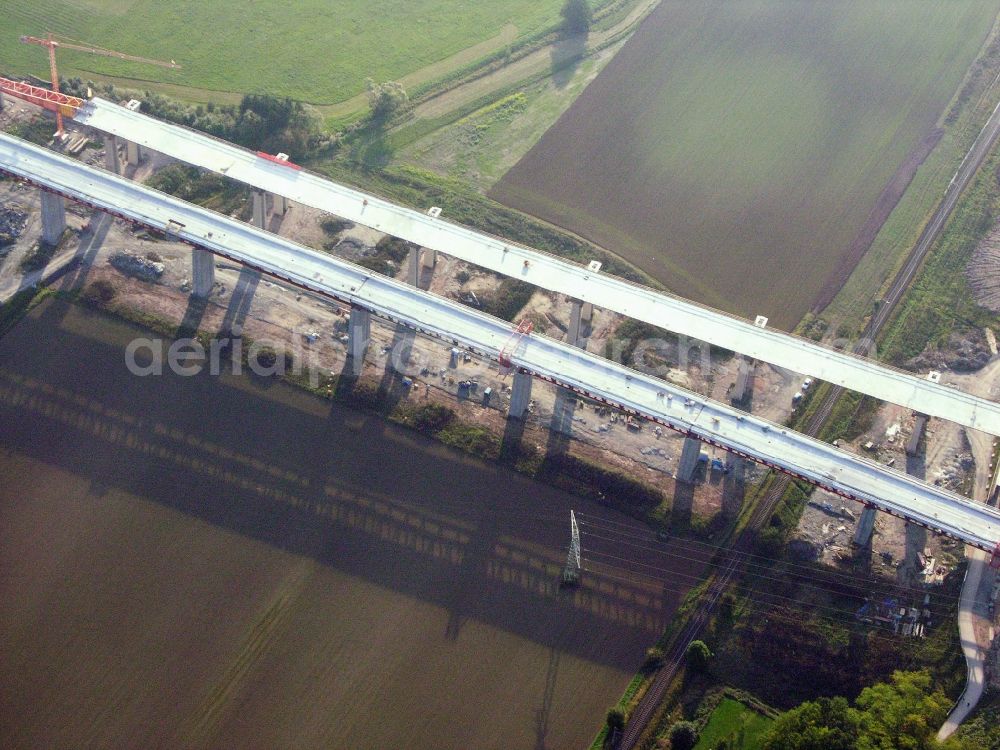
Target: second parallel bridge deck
x,y
547,271
822,464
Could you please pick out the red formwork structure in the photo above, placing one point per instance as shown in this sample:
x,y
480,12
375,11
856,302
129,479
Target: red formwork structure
x,y
279,159
524,328
53,101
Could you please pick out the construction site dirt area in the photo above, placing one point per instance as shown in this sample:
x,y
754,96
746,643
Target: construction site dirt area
x,y
228,561
934,450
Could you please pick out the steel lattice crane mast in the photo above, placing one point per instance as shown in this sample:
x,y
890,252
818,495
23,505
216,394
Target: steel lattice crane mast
x,y
51,41
524,328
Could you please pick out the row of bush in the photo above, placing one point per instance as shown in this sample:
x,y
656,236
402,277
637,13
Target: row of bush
x,y
260,121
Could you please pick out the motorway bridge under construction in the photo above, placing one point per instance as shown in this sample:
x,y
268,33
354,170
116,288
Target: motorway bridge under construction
x,y
564,364
584,284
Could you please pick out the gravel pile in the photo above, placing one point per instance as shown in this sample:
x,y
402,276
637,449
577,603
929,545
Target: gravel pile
x,y
134,265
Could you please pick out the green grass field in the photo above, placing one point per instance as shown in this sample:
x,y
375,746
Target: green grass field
x,y
735,150
733,721
315,51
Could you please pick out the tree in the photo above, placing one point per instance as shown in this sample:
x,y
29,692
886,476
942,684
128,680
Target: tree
x,y
824,724
616,718
269,123
385,99
903,714
683,736
654,658
770,542
98,292
727,608
250,129
576,16
698,655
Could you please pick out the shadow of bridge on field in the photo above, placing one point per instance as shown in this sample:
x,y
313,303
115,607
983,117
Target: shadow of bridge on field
x,y
342,487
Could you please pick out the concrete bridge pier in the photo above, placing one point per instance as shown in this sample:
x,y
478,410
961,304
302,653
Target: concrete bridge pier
x,y
520,395
580,315
413,274
202,272
689,459
742,392
280,203
111,161
358,336
422,261
866,525
53,217
133,153
259,209
279,207
428,261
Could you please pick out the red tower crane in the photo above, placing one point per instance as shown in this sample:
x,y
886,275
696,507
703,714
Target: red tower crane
x,y
51,41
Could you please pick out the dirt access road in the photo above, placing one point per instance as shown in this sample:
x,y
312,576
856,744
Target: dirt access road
x,y
974,620
549,58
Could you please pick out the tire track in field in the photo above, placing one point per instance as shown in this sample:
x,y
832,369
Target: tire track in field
x,y
202,725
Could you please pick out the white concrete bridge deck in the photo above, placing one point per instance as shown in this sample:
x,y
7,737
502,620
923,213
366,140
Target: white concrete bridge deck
x,y
692,414
547,271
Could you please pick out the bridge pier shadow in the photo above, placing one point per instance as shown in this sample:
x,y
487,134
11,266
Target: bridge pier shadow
x,y
916,536
734,488
544,712
683,504
274,222
561,424
734,483
391,389
240,302
472,572
511,448
862,563
194,313
91,242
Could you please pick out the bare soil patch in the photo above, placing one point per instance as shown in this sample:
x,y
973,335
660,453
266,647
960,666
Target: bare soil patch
x,y
983,271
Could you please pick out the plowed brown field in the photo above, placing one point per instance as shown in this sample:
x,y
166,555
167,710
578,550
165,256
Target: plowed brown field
x,y
227,562
738,150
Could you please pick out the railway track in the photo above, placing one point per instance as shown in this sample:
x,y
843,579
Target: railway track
x,y
733,563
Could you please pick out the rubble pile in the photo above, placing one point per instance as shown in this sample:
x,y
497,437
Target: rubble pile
x,y
954,471
136,266
349,247
966,352
12,223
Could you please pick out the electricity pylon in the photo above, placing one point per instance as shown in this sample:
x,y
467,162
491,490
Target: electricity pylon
x,y
571,571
